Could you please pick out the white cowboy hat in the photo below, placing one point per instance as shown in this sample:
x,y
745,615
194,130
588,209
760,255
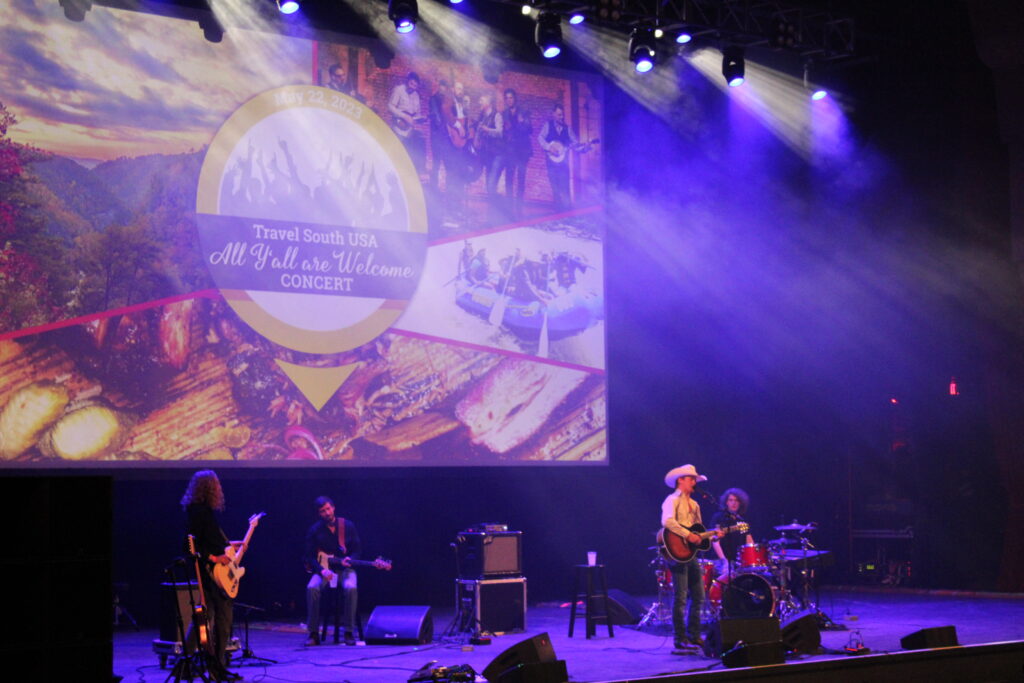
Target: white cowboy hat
x,y
684,471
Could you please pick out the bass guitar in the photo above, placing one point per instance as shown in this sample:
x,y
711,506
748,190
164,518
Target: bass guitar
x,y
325,561
678,549
228,575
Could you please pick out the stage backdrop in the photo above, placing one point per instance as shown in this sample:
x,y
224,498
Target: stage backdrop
x,y
281,251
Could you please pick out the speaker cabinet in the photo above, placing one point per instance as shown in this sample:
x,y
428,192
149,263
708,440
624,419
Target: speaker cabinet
x,y
535,650
755,654
498,606
623,608
927,638
482,555
802,634
537,672
174,602
726,633
400,624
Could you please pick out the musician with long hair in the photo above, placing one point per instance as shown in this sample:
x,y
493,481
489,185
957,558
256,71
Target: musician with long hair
x,y
733,505
203,500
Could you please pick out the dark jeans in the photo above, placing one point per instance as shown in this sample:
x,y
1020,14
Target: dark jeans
x,y
558,174
687,579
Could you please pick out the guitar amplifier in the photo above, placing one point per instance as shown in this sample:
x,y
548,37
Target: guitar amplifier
x,y
497,606
483,555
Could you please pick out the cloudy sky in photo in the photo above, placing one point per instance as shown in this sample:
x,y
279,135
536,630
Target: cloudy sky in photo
x,y
126,83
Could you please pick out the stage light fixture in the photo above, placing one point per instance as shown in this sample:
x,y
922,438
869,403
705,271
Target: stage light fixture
x,y
642,49
817,92
212,30
683,37
526,9
548,34
74,10
288,6
733,65
577,18
404,14
784,33
659,33
456,2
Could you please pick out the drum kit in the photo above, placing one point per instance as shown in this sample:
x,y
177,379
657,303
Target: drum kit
x,y
771,579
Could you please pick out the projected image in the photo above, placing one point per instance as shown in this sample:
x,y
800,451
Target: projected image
x,y
329,261
489,149
187,381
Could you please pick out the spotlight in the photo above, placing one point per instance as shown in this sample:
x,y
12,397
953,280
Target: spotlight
x,y
456,2
784,33
683,37
288,6
576,18
526,9
817,91
659,33
642,49
733,65
404,14
548,34
74,10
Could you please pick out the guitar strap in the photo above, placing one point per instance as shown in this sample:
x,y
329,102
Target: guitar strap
x,y
341,535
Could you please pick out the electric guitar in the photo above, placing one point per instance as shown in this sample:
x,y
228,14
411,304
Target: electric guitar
x,y
199,622
325,561
678,549
228,575
557,152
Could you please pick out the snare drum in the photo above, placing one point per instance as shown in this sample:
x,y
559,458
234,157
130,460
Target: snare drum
x,y
754,556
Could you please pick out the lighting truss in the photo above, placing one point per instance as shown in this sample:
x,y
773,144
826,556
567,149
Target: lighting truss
x,y
819,34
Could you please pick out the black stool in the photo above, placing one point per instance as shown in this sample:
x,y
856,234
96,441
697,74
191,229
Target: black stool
x,y
335,597
596,591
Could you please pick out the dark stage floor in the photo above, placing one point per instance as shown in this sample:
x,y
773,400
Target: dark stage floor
x,y
880,618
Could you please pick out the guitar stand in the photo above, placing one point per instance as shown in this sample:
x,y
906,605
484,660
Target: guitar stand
x,y
200,664
247,652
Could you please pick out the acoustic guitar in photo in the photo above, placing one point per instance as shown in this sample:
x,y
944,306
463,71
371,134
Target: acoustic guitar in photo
x,y
557,152
228,575
403,127
334,564
678,549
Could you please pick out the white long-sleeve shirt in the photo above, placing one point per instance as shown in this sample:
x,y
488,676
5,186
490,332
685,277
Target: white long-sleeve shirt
x,y
678,512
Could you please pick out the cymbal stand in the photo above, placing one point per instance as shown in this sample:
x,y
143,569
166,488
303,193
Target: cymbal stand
x,y
825,622
660,611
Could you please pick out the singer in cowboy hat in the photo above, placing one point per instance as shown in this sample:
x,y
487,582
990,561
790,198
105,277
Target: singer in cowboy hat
x,y
679,512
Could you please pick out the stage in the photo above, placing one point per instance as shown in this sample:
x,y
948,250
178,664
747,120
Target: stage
x,y
989,626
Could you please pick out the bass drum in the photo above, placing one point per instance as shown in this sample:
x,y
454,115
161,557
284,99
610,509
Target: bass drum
x,y
749,595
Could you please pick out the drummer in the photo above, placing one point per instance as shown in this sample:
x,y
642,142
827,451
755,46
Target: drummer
x,y
732,506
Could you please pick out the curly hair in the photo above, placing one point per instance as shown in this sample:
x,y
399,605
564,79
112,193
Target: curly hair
x,y
204,489
741,496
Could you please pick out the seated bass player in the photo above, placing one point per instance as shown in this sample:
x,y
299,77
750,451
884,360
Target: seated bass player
x,y
332,544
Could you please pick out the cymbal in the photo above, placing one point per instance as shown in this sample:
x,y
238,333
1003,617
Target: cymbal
x,y
784,541
795,526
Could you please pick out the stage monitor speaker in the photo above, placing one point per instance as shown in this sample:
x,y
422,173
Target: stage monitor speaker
x,y
534,650
481,555
723,635
927,638
801,633
623,608
536,672
400,624
755,654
